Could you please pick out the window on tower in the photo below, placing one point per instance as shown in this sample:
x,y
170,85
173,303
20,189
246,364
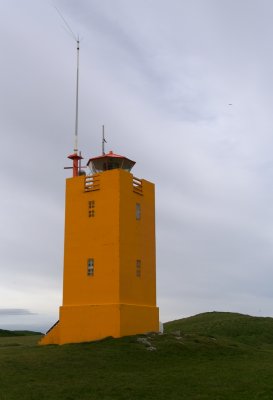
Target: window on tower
x,y
138,268
90,267
138,211
91,208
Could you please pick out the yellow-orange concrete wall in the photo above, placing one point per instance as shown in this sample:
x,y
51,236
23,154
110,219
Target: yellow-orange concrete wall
x,y
138,319
89,322
137,242
114,238
52,337
92,237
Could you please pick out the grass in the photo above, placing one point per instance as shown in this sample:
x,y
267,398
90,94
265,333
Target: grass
x,y
238,327
4,333
215,356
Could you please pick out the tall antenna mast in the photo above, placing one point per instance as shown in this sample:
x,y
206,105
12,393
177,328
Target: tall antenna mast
x,y
77,96
103,141
77,40
74,157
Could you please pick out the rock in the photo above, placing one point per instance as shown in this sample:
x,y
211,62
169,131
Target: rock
x,y
176,333
161,327
143,341
151,348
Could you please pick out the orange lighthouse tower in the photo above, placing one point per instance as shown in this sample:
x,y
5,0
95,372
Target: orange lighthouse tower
x,y
109,282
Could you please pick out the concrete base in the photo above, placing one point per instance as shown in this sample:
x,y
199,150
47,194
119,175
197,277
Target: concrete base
x,y
94,322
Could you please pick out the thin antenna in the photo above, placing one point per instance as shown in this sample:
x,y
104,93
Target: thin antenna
x,y
66,23
77,40
103,141
77,97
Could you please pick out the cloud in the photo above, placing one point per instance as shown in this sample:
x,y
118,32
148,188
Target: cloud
x,y
160,79
15,311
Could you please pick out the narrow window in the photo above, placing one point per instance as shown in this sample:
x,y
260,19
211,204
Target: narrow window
x,y
138,268
90,267
91,208
91,213
138,211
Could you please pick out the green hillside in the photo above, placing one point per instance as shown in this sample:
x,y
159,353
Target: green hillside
x,y
239,327
212,356
6,333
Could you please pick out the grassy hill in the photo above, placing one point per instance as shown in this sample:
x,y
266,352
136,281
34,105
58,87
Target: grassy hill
x,y
6,333
232,326
211,356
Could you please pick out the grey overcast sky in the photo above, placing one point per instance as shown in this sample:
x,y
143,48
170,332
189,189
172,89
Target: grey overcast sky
x,y
185,88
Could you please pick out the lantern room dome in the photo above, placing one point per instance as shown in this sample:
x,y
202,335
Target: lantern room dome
x,y
110,161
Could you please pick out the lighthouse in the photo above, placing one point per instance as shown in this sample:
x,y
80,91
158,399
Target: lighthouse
x,y
109,279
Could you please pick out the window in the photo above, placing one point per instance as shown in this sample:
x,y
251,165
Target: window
x,y
113,165
138,211
91,213
90,267
91,208
138,268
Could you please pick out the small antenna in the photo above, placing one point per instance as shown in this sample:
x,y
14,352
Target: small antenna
x,y
103,141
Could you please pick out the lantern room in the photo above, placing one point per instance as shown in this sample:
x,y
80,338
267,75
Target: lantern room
x,y
110,161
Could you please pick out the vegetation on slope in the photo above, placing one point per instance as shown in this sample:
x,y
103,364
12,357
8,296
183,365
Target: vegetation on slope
x,y
6,333
239,327
193,361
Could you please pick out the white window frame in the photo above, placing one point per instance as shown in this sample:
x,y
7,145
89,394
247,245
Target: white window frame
x,y
90,267
138,211
138,268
